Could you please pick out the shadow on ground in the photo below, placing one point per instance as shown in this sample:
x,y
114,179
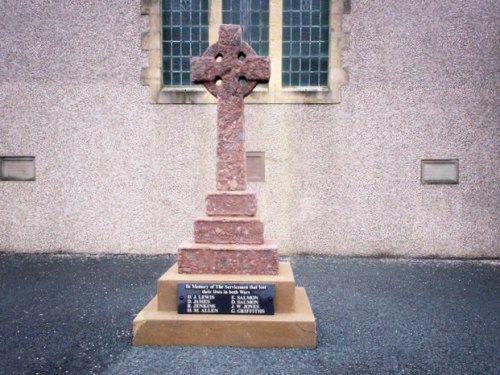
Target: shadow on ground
x,y
63,314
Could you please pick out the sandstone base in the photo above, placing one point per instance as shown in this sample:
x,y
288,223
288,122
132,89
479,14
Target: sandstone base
x,y
293,325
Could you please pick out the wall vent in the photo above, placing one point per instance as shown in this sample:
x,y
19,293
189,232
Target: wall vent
x,y
256,166
439,171
17,168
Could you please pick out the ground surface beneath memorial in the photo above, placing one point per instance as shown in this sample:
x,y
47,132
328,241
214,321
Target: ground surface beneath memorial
x,y
63,314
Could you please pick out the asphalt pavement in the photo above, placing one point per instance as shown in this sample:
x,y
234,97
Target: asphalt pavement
x,y
72,314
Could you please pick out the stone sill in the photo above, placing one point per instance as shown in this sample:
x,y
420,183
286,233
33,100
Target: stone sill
x,y
295,95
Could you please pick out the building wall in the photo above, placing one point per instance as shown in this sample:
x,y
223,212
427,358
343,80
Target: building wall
x,y
117,174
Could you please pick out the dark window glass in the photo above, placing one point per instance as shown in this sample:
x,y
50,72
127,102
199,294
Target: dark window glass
x,y
253,17
305,38
185,34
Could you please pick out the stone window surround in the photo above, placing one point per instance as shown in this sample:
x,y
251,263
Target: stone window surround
x,y
273,92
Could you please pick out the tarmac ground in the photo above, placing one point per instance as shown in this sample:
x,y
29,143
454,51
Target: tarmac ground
x,y
72,314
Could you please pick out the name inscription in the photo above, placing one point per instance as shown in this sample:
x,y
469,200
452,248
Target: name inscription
x,y
219,298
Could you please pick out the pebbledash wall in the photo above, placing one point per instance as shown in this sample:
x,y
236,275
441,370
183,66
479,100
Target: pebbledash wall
x,y
116,174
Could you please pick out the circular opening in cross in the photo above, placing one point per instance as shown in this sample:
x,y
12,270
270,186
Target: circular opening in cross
x,y
243,80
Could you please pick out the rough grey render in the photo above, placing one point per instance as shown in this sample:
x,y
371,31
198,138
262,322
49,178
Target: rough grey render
x,y
116,174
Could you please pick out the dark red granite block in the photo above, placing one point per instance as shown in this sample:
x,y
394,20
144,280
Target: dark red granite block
x,y
231,160
228,259
231,203
229,230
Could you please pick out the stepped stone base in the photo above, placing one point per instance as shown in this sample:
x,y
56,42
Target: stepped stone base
x,y
228,259
293,325
229,230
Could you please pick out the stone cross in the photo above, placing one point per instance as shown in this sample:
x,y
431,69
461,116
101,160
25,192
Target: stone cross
x,y
230,70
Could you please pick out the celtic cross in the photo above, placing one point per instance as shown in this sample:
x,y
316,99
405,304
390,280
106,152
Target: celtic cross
x,y
230,70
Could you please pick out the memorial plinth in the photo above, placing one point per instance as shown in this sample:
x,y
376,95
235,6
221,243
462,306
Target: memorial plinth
x,y
228,286
291,326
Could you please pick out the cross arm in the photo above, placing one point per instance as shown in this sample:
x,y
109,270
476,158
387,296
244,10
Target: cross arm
x,y
257,68
204,69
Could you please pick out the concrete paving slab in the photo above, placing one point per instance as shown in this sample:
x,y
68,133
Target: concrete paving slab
x,y
72,314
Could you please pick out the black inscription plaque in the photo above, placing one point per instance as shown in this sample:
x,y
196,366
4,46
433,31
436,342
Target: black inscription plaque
x,y
220,298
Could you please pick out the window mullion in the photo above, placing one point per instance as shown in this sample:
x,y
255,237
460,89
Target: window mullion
x,y
334,59
275,43
215,20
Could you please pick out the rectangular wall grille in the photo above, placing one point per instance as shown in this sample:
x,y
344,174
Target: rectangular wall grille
x,y
17,168
439,171
256,166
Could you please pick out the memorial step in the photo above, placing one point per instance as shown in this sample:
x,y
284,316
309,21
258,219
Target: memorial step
x,y
292,325
295,329
229,230
231,203
284,283
195,258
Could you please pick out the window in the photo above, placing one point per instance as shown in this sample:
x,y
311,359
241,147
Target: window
x,y
185,34
303,38
305,43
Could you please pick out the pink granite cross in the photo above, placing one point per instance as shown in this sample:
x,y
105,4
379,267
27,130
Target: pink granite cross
x,y
230,70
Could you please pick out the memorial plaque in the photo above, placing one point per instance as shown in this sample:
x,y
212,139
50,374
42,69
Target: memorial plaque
x,y
221,298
